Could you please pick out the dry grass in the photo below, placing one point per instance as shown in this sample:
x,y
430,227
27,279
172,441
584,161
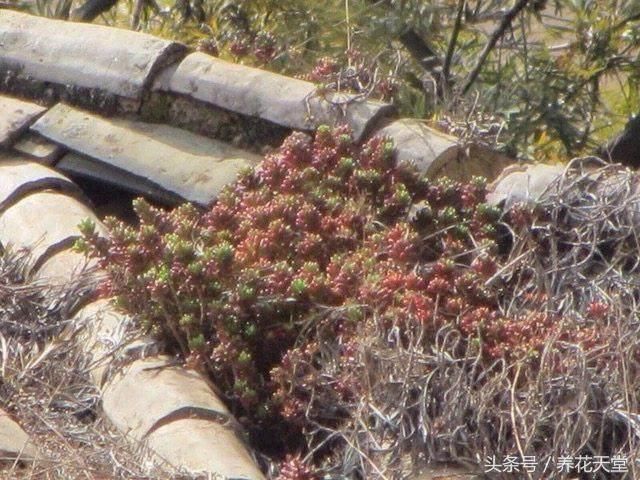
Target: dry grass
x,y
425,403
442,402
46,388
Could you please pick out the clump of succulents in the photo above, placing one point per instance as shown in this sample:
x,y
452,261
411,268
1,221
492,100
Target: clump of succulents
x,y
241,43
295,468
277,288
320,224
355,74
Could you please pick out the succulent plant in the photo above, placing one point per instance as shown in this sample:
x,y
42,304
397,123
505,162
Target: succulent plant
x,y
293,468
307,250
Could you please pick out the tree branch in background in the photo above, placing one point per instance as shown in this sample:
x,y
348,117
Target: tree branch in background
x,y
190,10
417,46
88,11
137,11
498,33
446,69
138,7
420,50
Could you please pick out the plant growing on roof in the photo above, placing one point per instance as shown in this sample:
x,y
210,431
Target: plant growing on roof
x,y
279,288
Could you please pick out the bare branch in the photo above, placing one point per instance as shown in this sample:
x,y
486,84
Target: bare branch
x,y
89,10
420,50
415,44
138,7
452,42
498,33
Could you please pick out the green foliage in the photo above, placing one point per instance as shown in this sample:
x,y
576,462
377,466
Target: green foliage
x,y
550,81
557,79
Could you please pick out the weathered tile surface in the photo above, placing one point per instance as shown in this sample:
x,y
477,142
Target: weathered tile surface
x,y
428,149
77,164
522,183
112,60
149,390
15,116
158,160
144,395
104,328
183,441
437,154
39,148
478,160
44,222
19,177
254,92
14,442
68,267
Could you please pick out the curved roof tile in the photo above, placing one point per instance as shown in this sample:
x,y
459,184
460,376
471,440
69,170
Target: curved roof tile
x,y
283,100
15,117
112,60
157,160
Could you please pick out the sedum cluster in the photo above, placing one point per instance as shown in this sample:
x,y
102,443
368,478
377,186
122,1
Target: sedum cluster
x,y
271,288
